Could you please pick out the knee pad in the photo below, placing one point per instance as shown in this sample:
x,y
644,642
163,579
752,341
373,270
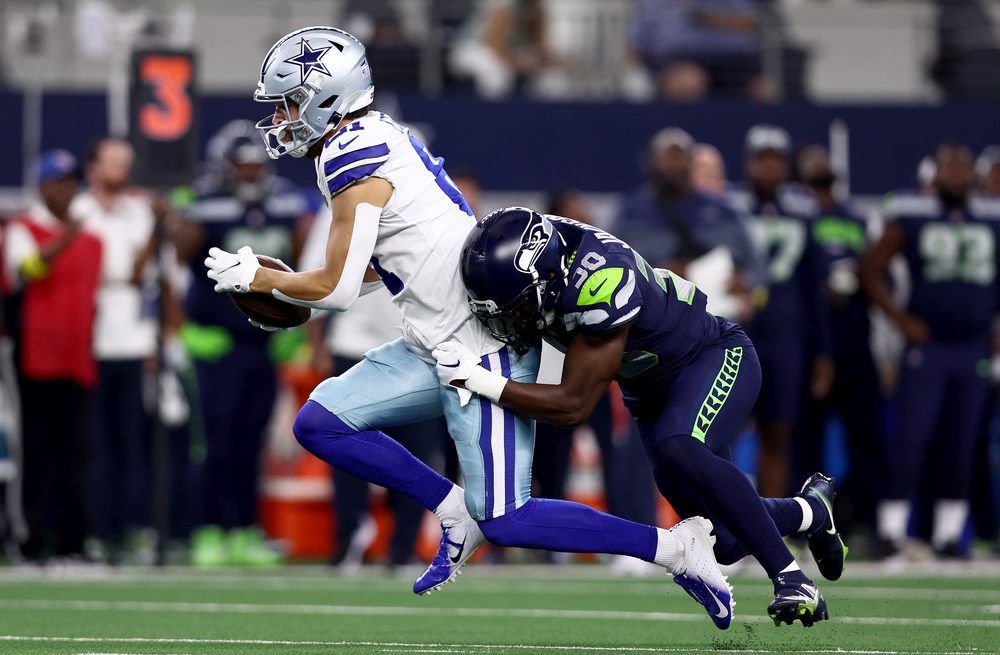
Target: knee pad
x,y
314,424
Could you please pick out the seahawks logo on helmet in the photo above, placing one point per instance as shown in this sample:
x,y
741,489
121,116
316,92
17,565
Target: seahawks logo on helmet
x,y
533,241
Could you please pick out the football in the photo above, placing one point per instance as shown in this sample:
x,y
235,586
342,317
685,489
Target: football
x,y
265,308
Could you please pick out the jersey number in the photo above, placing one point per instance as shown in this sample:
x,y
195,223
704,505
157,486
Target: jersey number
x,y
783,241
962,253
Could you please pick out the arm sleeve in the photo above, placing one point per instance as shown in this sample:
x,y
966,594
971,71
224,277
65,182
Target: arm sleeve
x,y
366,219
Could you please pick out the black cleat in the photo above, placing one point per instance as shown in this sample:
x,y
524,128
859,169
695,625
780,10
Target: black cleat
x,y
825,543
801,601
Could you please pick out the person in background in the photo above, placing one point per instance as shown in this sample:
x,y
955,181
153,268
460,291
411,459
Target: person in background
x,y
708,170
856,396
949,242
988,171
338,342
238,202
690,232
791,330
503,47
56,266
698,48
124,339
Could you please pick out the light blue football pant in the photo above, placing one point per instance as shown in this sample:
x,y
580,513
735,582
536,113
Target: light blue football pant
x,y
392,386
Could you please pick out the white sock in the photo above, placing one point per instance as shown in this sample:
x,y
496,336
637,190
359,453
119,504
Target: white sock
x,y
893,517
807,514
669,549
949,521
452,508
794,566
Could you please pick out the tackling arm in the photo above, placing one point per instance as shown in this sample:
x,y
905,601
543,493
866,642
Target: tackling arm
x,y
353,232
591,364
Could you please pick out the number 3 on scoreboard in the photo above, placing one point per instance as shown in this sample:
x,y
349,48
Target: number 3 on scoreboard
x,y
166,116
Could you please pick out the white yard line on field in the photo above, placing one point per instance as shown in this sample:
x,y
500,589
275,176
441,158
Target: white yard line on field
x,y
401,645
480,612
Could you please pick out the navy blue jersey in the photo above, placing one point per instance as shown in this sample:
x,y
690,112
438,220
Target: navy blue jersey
x,y
267,226
952,259
796,309
611,286
841,234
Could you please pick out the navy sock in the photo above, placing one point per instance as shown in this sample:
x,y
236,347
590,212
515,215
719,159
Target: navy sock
x,y
728,496
368,454
570,527
786,514
790,579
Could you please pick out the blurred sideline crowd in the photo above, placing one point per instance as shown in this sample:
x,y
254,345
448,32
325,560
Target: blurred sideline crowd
x,y
114,322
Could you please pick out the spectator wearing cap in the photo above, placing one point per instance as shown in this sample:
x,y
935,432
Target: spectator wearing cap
x,y
238,202
124,339
791,331
988,171
55,267
841,234
676,226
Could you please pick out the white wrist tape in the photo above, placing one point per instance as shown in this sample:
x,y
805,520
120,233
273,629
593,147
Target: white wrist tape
x,y
486,383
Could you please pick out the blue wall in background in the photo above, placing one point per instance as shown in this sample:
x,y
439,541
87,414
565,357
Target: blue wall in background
x,y
595,147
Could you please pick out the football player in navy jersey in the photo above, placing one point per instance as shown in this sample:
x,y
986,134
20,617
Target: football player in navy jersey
x,y
238,201
949,242
840,233
688,378
792,327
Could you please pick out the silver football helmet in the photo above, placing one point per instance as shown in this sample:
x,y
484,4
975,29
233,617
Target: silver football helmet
x,y
319,72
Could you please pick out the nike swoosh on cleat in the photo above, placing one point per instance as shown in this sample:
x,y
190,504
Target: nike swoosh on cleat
x,y
458,556
723,610
451,365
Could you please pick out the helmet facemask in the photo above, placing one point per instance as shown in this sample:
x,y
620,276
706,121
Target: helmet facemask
x,y
291,136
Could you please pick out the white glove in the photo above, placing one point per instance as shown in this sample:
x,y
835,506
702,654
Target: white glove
x,y
456,363
232,272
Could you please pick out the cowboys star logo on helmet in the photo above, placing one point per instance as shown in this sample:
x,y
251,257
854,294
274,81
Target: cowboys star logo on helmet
x,y
308,60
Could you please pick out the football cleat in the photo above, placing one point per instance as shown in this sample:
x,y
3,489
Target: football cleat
x,y
458,542
825,543
801,601
698,572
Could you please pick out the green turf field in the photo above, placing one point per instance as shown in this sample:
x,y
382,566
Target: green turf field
x,y
523,610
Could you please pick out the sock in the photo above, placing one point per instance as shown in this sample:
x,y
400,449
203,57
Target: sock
x,y
730,499
452,509
787,514
794,566
790,577
807,514
949,521
569,527
669,549
893,517
368,454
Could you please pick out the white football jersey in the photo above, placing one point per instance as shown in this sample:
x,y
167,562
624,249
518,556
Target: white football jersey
x,y
421,230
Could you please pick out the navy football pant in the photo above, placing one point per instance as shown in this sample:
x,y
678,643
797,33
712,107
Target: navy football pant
x,y
936,380
689,443
237,394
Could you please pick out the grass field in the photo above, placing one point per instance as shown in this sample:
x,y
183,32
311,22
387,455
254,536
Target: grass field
x,y
522,610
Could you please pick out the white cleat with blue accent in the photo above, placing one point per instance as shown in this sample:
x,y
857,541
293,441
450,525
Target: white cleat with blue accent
x,y
458,542
698,572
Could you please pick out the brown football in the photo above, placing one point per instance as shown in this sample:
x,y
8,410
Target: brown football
x,y
265,308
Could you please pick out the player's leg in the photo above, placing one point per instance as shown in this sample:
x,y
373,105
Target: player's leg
x,y
340,424
495,447
424,441
922,382
970,386
703,412
776,413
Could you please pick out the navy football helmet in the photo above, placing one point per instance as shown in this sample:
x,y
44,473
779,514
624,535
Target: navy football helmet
x,y
514,269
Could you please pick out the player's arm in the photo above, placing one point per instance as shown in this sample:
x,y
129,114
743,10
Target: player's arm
x,y
873,270
590,365
335,285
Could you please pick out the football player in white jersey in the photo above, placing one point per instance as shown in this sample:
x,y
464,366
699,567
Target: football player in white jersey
x,y
396,210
